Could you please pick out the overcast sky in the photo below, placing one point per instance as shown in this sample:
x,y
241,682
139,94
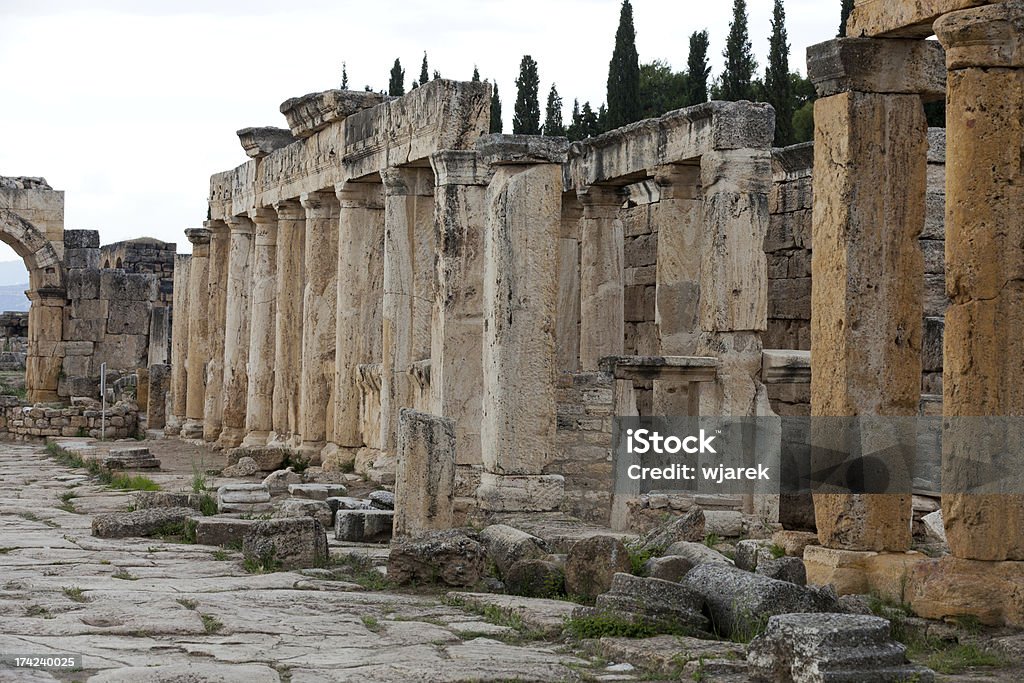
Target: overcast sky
x,y
129,107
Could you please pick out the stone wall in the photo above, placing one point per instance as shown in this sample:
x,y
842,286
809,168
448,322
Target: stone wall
x,y
32,423
13,340
144,255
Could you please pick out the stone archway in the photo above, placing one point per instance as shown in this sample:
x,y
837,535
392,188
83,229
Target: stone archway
x,y
48,296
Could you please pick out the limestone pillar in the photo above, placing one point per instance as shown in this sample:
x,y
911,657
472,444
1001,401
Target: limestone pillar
x,y
456,373
425,476
198,333
408,289
291,269
236,336
44,360
319,327
602,316
260,389
567,335
179,343
213,411
982,371
360,291
867,295
520,303
156,406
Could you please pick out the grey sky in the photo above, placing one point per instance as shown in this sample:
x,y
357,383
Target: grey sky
x,y
130,106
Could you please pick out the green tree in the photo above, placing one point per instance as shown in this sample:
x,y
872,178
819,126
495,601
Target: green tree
x,y
396,86
697,69
553,125
661,89
591,121
575,130
527,111
847,8
804,96
624,73
496,125
778,83
424,71
344,76
740,64
476,74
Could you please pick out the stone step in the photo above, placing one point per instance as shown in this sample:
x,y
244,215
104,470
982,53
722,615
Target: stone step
x,y
130,458
363,526
127,451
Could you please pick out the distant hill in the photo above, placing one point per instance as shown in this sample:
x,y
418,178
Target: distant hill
x,y
13,273
12,297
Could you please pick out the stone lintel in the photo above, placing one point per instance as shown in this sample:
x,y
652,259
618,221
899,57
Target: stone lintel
x,y
988,36
509,150
44,294
198,236
679,368
314,112
783,366
290,210
259,142
520,492
870,65
901,18
601,201
795,161
459,167
320,204
262,215
240,224
215,227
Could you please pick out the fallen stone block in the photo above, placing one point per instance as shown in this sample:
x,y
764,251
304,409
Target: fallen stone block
x,y
223,531
662,604
507,545
724,523
750,552
279,481
245,467
934,526
134,458
591,565
144,500
535,578
316,491
296,543
668,568
363,526
697,553
740,602
824,648
689,527
664,654
382,500
450,557
794,542
148,522
298,507
243,498
789,569
347,503
267,459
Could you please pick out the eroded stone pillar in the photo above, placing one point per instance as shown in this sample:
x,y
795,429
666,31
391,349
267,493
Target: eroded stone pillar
x,y
409,275
867,295
156,406
982,371
236,337
291,278
213,411
319,327
198,333
520,303
425,476
44,360
456,373
602,316
179,343
360,294
262,330
567,336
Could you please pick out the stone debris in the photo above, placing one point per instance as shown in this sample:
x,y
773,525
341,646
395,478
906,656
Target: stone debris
x,y
591,565
659,603
295,543
934,527
689,527
668,568
824,648
136,458
243,498
382,500
450,557
535,578
316,491
143,500
268,459
148,522
222,531
507,545
794,542
298,507
245,467
739,601
697,553
347,503
363,526
280,480
789,569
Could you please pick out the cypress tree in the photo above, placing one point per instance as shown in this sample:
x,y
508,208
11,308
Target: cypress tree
x,y
527,112
437,74
344,76
575,130
496,124
553,125
777,82
476,74
740,64
847,8
424,72
624,105
396,86
697,69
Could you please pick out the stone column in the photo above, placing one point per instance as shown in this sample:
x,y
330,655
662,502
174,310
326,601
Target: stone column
x,y
198,333
602,314
156,406
408,289
360,293
425,474
179,343
982,372
291,277
319,327
867,294
456,373
236,325
262,329
213,412
567,335
520,300
44,359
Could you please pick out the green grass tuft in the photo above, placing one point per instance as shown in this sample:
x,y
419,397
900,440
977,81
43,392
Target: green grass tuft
x,y
75,594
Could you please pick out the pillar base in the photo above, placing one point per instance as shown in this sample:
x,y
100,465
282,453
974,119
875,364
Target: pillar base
x,y
310,451
861,571
230,437
256,439
520,492
211,430
192,429
173,426
950,587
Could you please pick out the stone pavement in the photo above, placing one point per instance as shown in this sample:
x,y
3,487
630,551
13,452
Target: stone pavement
x,y
145,610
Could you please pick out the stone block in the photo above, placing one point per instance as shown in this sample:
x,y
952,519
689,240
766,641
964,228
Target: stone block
x,y
652,601
931,351
790,569
697,553
144,500
313,112
382,500
122,351
498,149
129,317
223,531
853,571
147,522
316,491
119,286
297,507
950,587
81,258
279,481
521,493
908,67
295,543
347,503
669,567
535,578
363,526
507,545
83,284
688,527
268,459
451,557
259,142
425,473
794,542
81,239
592,563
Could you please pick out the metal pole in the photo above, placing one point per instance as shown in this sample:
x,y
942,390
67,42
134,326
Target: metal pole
x,y
103,401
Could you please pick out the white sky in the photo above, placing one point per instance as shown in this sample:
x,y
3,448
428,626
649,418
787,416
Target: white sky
x,y
130,106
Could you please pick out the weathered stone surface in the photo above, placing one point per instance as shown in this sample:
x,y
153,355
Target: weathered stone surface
x,y
816,648
910,19
279,480
653,601
363,526
689,527
697,553
316,491
296,507
314,112
382,500
535,578
789,569
243,498
724,523
223,531
860,572
143,500
450,557
268,459
591,565
668,568
245,467
145,522
501,149
259,142
738,600
521,493
130,459
213,672
507,545
934,527
749,552
908,67
664,654
951,587
347,503
987,36
537,614
425,474
288,543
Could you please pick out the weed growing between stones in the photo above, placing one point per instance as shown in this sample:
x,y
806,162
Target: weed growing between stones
x,y
949,658
221,555
777,551
211,624
359,570
124,482
371,623
611,624
637,559
198,477
65,501
187,604
266,563
75,594
207,505
38,611
124,575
